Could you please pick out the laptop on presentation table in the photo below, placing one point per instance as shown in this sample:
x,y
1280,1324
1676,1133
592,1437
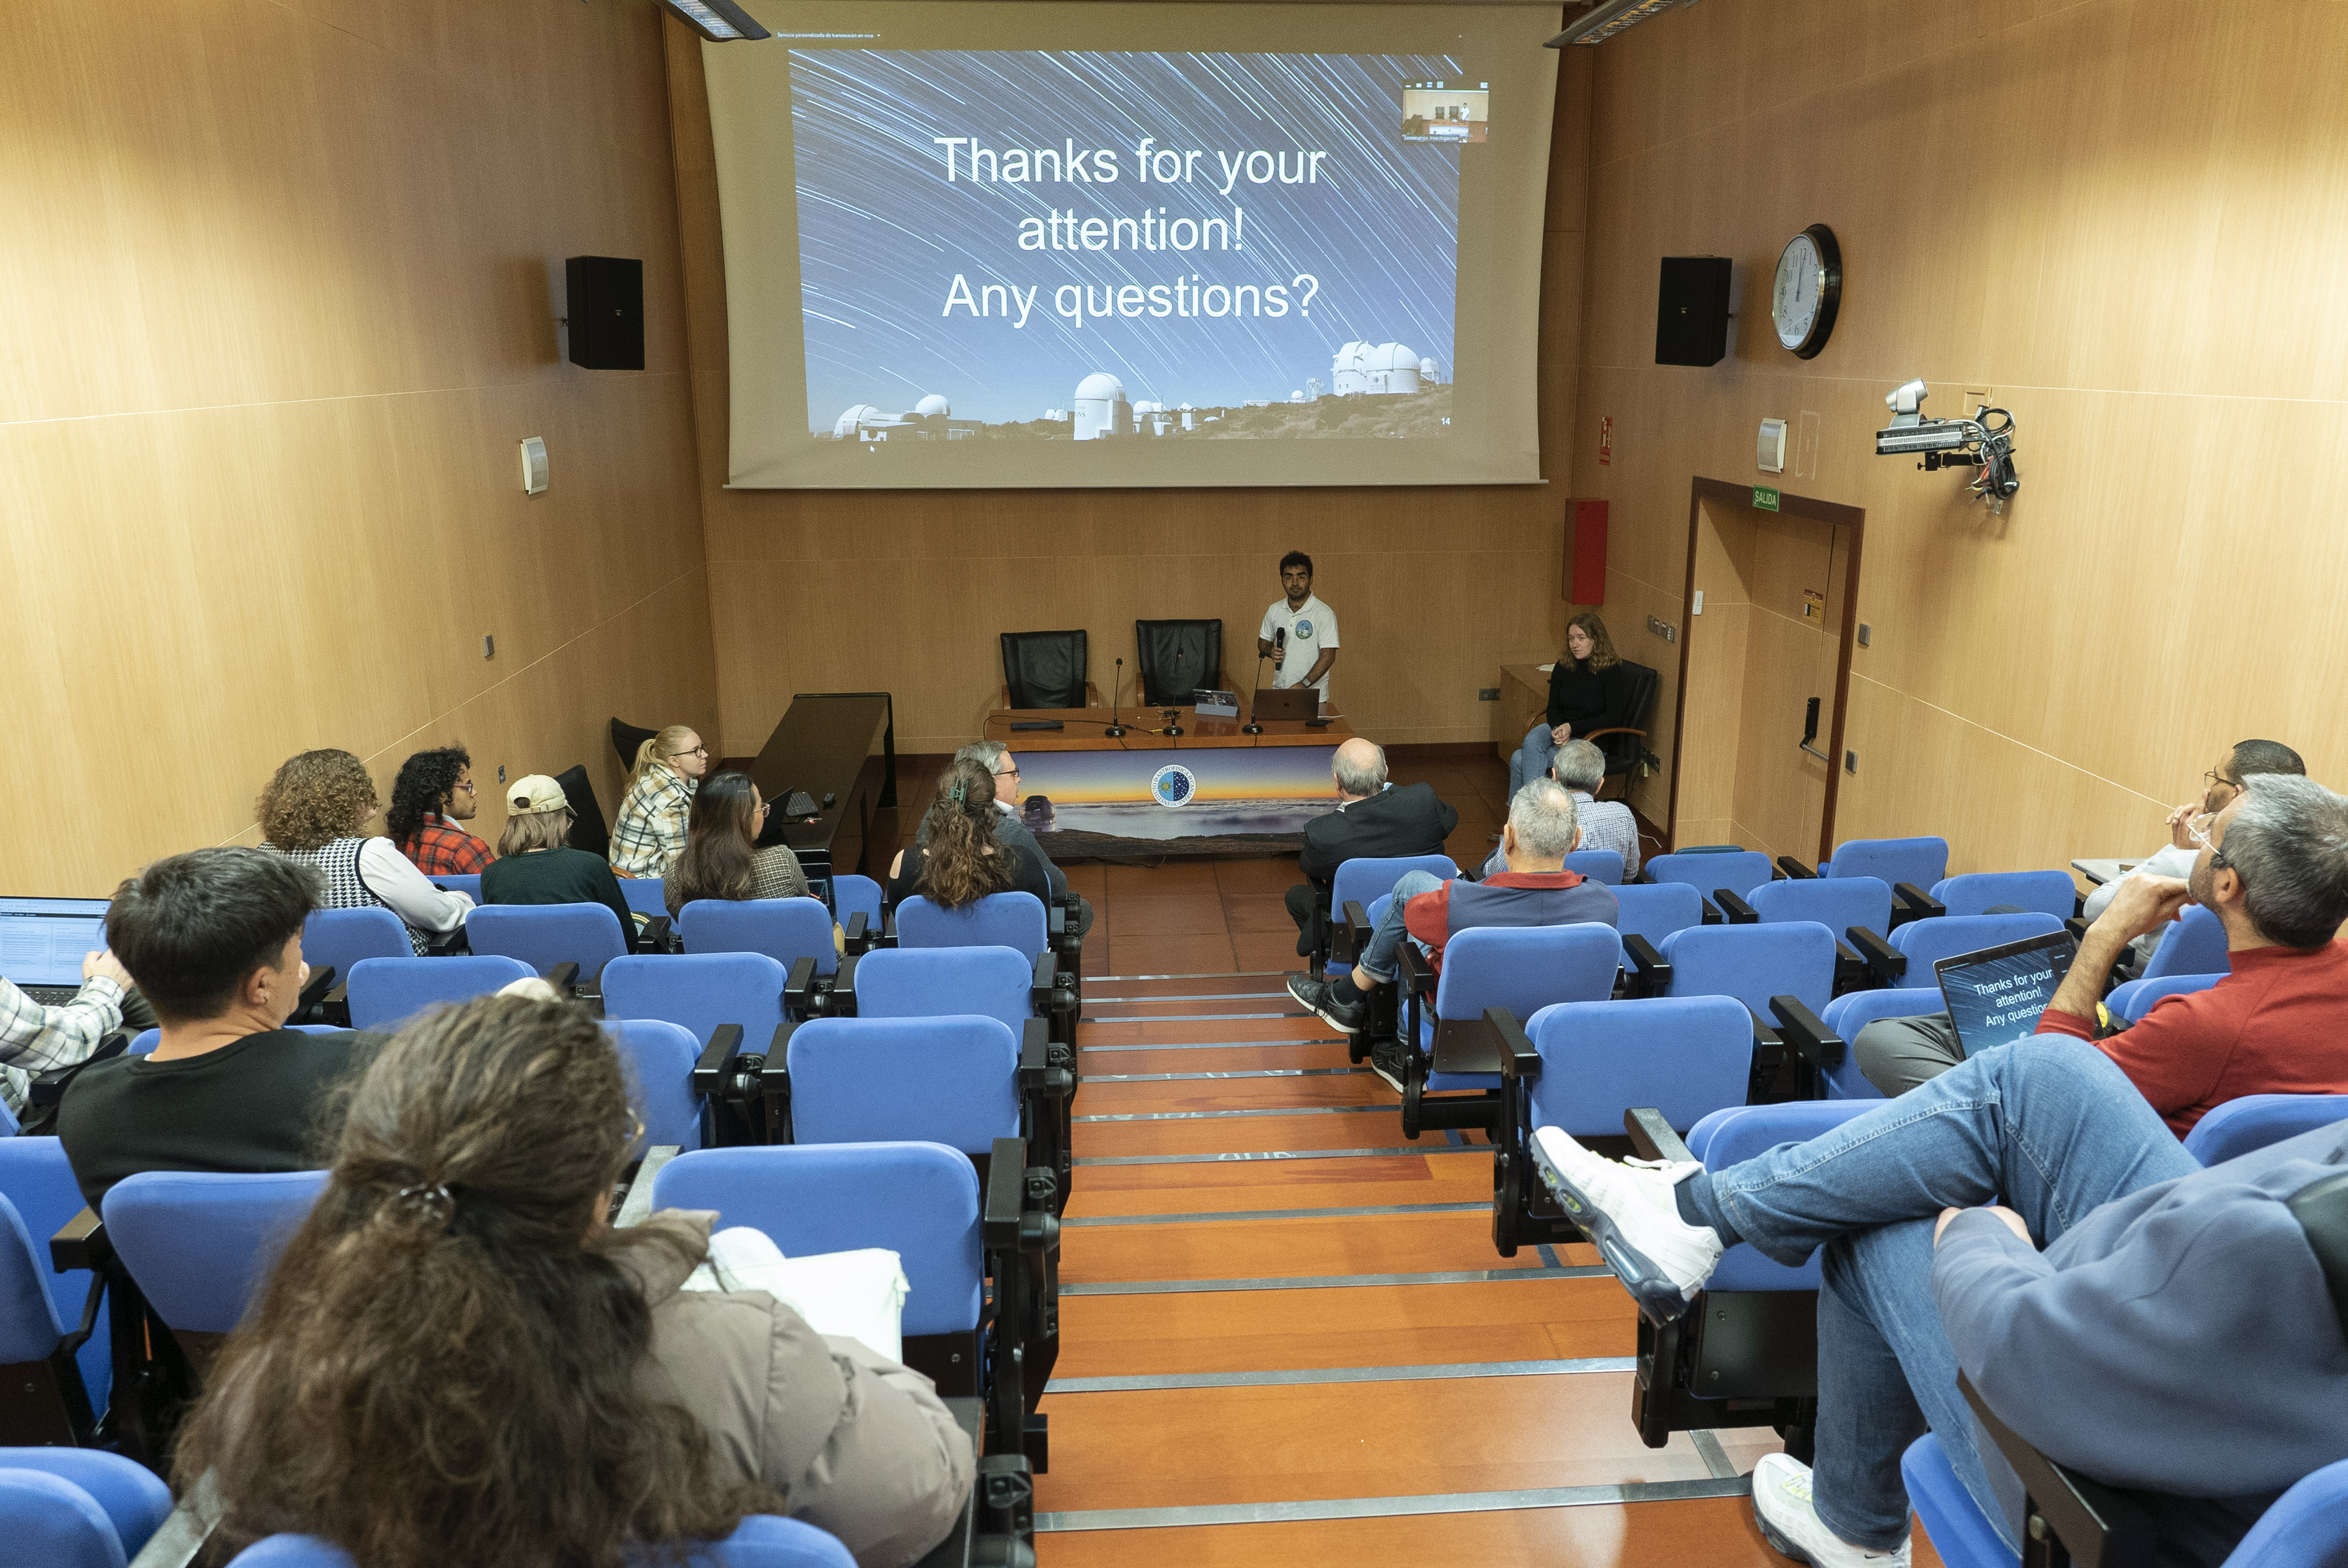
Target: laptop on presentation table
x,y
1997,995
1287,702
42,940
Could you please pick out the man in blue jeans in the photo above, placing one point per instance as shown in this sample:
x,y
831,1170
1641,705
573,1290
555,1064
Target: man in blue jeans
x,y
2174,1338
1535,890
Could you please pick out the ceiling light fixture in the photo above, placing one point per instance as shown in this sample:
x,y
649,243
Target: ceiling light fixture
x,y
1604,20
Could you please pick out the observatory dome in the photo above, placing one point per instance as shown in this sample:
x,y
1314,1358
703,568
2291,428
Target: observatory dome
x,y
934,404
1100,383
845,426
1389,356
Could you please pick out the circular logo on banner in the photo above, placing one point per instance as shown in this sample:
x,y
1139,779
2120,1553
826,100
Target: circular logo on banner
x,y
1173,785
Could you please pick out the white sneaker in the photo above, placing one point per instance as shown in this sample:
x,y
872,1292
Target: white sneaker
x,y
1789,1520
1628,1209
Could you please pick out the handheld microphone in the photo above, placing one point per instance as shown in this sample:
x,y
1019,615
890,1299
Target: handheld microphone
x,y
1252,726
1279,650
1116,731
1174,715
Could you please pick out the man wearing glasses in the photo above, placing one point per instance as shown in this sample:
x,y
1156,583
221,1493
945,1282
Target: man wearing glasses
x,y
997,759
2220,784
2273,866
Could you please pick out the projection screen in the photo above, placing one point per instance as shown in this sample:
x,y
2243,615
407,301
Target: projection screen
x,y
1009,244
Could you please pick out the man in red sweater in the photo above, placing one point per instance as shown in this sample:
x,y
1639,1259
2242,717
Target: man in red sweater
x,y
2273,868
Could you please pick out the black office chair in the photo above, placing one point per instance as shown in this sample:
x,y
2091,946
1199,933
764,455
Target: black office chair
x,y
1176,659
1044,669
587,828
627,739
1626,745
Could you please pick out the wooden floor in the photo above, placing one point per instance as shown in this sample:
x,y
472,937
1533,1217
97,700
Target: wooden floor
x,y
1286,1337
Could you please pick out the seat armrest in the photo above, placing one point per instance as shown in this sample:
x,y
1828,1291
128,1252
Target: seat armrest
x,y
1047,976
1888,963
1801,1028
81,1243
1055,920
314,988
1653,975
858,927
1739,913
1712,915
634,1204
563,977
1651,1136
1415,975
1349,934
710,1070
1921,905
1796,869
2098,1526
843,985
798,984
654,937
2077,926
1518,1060
186,1531
49,1088
998,1218
1034,1051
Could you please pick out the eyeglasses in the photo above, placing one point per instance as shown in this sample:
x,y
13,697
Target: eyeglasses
x,y
1006,773
2213,778
468,786
696,751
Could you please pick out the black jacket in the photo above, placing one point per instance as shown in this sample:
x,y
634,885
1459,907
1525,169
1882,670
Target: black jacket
x,y
1591,699
1408,820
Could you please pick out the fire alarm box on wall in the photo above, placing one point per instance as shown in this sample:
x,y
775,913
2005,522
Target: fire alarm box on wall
x,y
1585,554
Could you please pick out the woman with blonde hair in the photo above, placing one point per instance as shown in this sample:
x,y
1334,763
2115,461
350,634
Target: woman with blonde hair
x,y
656,807
536,863
957,858
1588,688
457,1359
315,811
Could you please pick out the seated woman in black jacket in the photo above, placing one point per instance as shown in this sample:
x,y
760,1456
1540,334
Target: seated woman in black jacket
x,y
1589,689
960,860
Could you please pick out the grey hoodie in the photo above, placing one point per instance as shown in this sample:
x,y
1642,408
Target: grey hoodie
x,y
2180,1343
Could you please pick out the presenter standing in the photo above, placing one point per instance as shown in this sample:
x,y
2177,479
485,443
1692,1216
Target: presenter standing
x,y
1300,633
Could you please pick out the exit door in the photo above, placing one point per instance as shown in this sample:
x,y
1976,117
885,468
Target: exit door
x,y
1764,668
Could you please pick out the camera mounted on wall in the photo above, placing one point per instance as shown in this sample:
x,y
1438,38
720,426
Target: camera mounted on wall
x,y
1984,442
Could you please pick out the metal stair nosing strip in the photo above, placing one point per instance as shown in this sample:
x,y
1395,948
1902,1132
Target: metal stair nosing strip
x,y
1244,1110
1209,1217
1222,1045
1268,1154
1325,1281
1458,1371
1395,1506
1233,1073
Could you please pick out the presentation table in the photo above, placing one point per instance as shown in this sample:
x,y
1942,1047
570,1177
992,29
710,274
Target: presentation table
x,y
1211,790
839,749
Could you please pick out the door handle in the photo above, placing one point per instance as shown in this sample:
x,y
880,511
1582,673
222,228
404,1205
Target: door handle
x,y
1810,733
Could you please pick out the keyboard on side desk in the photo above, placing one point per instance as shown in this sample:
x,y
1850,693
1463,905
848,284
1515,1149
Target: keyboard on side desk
x,y
51,996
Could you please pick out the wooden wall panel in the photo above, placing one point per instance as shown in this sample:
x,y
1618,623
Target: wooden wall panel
x,y
283,284
2147,283
905,590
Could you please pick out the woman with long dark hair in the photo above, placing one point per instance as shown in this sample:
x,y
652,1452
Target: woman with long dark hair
x,y
1589,689
957,858
721,858
456,1359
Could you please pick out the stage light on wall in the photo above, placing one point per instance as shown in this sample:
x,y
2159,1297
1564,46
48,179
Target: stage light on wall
x,y
719,21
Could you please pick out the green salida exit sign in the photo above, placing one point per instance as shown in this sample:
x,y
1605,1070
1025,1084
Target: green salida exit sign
x,y
1765,499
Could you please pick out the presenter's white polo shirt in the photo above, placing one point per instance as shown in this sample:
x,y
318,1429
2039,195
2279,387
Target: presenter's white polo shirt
x,y
1310,627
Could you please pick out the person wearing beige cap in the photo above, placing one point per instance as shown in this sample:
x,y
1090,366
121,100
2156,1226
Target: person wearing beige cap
x,y
535,863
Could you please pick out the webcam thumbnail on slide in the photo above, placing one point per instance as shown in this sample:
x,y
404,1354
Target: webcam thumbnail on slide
x,y
1093,246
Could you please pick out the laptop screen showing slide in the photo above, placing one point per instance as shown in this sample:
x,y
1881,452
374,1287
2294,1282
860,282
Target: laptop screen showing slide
x,y
42,940
1997,995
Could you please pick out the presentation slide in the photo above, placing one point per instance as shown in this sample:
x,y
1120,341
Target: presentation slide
x,y
1997,1001
954,260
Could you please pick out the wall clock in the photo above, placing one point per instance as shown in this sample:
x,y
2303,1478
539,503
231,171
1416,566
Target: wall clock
x,y
1808,291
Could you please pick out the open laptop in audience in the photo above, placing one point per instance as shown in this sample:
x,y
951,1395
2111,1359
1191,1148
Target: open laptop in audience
x,y
42,940
1997,995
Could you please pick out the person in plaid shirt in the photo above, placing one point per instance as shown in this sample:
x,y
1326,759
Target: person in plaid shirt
x,y
34,1039
433,793
657,809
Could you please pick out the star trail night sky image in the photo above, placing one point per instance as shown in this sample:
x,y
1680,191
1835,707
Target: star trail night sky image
x,y
1085,245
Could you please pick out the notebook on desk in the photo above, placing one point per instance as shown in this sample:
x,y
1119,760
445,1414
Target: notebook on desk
x,y
42,940
1286,702
1997,995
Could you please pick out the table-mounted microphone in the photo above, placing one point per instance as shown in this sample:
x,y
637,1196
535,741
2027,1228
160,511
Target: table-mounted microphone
x,y
1116,731
1251,727
1174,715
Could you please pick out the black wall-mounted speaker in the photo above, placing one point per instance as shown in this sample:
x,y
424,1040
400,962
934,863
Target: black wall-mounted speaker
x,y
607,312
1691,310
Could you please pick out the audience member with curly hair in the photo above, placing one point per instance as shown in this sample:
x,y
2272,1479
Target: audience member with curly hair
x,y
957,858
314,811
433,794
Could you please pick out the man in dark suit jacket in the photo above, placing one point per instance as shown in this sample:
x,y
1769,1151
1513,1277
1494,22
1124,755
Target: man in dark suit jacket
x,y
1371,821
